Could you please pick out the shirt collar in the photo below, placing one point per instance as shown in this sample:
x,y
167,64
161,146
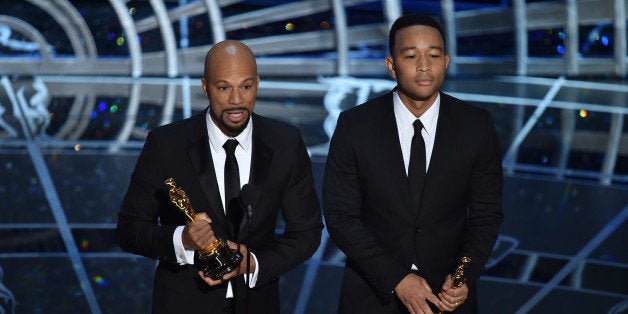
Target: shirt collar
x,y
405,118
217,138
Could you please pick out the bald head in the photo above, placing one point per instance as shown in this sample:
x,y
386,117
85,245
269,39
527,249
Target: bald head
x,y
230,84
229,52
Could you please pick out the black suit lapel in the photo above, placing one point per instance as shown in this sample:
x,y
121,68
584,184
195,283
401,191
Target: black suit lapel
x,y
201,159
445,132
390,148
261,158
443,148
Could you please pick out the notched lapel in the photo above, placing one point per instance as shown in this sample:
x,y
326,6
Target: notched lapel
x,y
441,152
261,159
390,149
443,142
260,162
201,160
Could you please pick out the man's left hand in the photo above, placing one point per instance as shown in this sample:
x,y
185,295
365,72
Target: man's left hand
x,y
452,297
238,271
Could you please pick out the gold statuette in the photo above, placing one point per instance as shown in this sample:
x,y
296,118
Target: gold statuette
x,y
217,259
458,278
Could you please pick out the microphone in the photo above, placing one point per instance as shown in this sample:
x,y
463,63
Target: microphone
x,y
248,195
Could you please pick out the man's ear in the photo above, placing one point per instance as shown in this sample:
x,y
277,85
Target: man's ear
x,y
203,83
390,64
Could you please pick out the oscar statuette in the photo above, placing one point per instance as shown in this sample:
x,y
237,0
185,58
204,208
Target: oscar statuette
x,y
217,259
458,278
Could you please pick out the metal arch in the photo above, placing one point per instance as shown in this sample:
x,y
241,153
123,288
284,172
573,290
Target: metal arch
x,y
521,36
620,37
571,44
167,34
215,18
135,51
130,117
54,202
180,12
85,118
449,19
342,40
282,12
186,97
612,148
509,157
78,116
81,24
567,132
615,223
614,139
392,11
175,14
64,22
169,104
28,31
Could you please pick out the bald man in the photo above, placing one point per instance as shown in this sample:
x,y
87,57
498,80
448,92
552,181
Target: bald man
x,y
270,155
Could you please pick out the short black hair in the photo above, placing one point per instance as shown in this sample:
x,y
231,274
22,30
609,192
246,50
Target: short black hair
x,y
411,20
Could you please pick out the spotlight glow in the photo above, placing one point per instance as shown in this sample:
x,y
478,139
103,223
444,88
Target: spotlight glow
x,y
560,49
100,281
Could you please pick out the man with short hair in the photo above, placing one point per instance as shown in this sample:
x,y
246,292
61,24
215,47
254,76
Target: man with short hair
x,y
199,153
413,183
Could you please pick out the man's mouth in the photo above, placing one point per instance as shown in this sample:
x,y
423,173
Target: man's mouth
x,y
236,116
423,81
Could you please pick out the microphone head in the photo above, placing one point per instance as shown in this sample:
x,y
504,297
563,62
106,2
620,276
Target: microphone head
x,y
249,194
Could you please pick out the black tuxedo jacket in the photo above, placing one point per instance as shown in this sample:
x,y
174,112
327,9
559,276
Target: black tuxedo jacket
x,y
280,166
368,203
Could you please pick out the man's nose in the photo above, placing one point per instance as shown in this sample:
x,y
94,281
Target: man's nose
x,y
235,97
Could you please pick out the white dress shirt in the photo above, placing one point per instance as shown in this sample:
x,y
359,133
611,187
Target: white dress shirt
x,y
405,129
243,155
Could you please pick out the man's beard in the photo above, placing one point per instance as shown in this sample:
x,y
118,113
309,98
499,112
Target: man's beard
x,y
233,129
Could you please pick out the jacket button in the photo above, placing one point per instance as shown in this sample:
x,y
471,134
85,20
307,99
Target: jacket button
x,y
419,229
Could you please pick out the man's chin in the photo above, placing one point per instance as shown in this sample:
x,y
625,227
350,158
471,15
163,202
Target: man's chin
x,y
236,128
421,96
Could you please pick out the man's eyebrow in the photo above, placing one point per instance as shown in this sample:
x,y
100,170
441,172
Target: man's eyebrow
x,y
218,81
440,48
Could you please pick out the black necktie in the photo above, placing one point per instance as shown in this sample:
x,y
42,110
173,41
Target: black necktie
x,y
232,186
416,169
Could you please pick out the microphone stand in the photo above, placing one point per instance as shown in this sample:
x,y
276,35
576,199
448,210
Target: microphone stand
x,y
249,214
248,195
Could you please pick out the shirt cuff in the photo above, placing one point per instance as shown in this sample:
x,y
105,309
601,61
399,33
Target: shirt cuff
x,y
183,256
253,276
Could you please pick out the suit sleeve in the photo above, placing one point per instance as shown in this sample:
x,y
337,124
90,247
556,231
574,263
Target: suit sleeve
x,y
138,231
342,206
485,204
301,213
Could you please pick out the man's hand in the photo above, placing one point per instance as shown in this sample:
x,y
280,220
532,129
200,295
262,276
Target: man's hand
x,y
451,297
414,292
239,271
198,234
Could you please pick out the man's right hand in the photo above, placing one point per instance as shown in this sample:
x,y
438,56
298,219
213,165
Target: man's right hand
x,y
414,293
198,234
